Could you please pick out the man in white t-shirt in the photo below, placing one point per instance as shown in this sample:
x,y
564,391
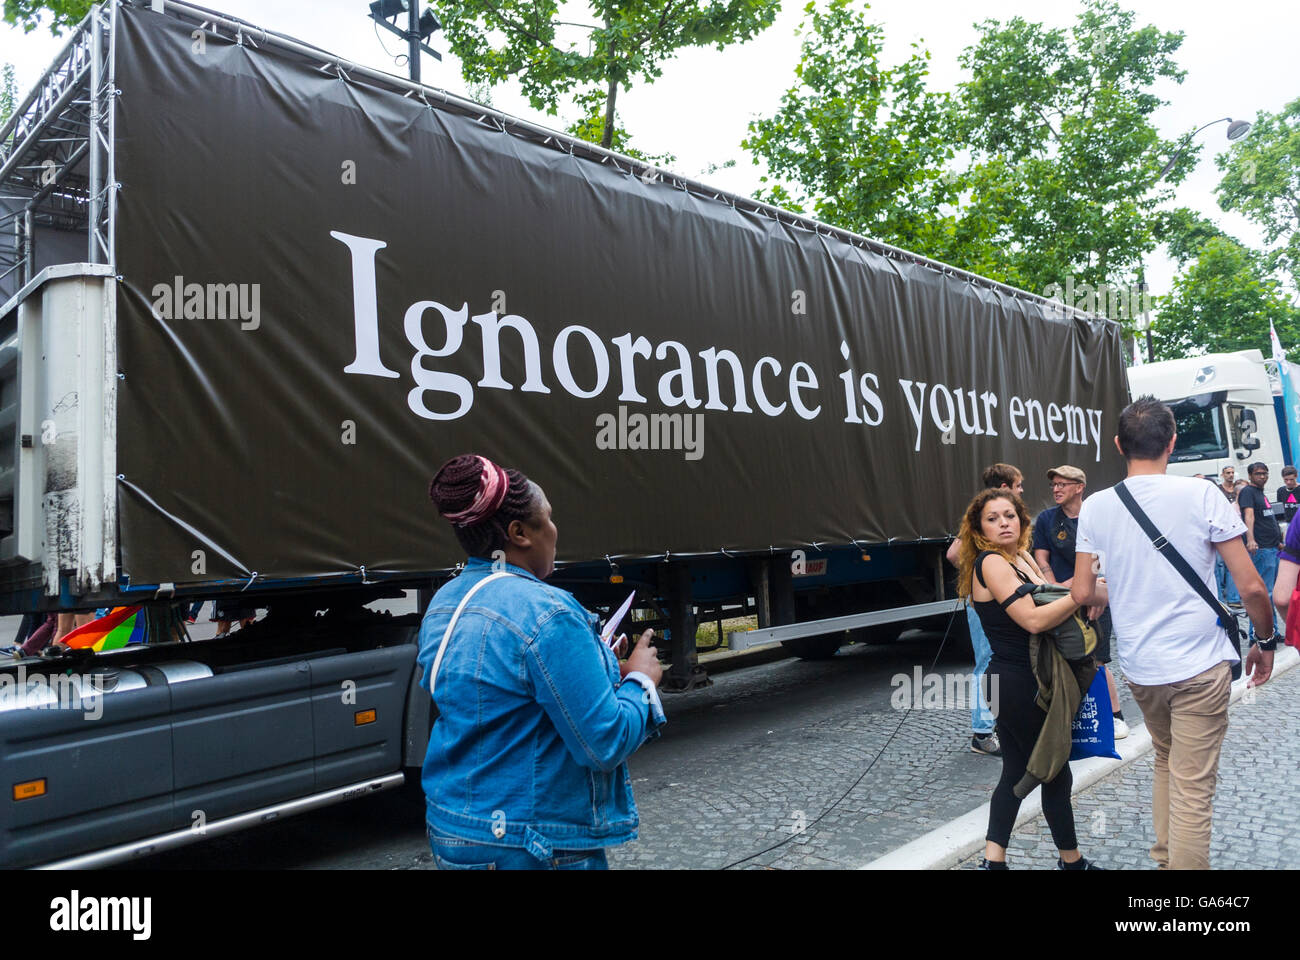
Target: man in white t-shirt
x,y
1175,655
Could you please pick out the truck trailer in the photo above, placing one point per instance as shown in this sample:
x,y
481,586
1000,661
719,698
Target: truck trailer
x,y
254,295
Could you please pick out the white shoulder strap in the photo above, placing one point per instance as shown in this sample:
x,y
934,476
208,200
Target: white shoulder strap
x,y
442,647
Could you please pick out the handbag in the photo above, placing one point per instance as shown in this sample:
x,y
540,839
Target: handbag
x,y
1075,636
1092,733
1227,619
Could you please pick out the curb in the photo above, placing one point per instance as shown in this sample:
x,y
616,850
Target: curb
x,y
955,841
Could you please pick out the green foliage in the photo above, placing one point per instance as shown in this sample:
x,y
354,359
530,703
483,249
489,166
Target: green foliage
x,y
1183,231
8,93
1043,166
1065,159
63,13
629,40
857,143
1224,302
1261,179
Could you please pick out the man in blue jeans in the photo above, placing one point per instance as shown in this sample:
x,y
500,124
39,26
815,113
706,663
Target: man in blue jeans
x,y
983,739
1263,535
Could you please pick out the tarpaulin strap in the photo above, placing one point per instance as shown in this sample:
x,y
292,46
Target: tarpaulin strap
x,y
537,845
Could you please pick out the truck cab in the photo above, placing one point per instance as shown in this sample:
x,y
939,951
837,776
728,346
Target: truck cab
x,y
1228,408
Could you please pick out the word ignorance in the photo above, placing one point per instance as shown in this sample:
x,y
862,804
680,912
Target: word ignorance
x,y
718,381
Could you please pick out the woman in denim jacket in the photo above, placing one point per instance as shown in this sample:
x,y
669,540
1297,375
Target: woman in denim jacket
x,y
526,766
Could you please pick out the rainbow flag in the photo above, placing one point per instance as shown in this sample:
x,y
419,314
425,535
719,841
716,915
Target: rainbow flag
x,y
122,626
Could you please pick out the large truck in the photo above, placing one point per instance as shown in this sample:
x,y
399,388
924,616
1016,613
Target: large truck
x,y
253,295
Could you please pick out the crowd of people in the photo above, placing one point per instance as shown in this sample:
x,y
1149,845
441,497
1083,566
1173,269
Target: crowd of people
x,y
1139,559
538,715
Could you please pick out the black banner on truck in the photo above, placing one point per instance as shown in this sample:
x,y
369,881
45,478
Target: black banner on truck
x,y
331,288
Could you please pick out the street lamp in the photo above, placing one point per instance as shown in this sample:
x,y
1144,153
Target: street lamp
x,y
419,28
1236,130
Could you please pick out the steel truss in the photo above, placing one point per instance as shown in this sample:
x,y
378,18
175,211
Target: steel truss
x,y
56,153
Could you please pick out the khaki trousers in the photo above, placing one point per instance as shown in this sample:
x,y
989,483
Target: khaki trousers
x,y
1187,721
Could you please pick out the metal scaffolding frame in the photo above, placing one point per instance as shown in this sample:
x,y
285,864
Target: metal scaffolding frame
x,y
56,152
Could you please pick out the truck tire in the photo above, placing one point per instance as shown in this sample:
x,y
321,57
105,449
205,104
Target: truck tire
x,y
821,647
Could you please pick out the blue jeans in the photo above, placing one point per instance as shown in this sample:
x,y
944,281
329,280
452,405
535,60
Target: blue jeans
x,y
1227,589
981,717
450,853
1265,559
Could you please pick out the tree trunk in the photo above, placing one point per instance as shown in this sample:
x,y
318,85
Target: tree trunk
x,y
607,135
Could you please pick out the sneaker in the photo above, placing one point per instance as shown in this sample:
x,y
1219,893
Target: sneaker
x,y
1121,729
987,745
1087,865
992,865
190,620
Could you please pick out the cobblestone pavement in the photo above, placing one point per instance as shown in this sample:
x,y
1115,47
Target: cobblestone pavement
x,y
746,762
1253,824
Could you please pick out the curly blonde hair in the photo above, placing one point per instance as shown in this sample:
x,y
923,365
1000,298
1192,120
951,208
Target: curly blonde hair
x,y
973,541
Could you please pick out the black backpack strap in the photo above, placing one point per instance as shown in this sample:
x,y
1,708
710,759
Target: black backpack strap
x,y
1166,550
1021,591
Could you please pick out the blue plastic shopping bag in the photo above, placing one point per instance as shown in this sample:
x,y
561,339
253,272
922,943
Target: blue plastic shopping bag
x,y
1093,731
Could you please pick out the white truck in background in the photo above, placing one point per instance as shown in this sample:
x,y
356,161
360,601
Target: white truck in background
x,y
1232,409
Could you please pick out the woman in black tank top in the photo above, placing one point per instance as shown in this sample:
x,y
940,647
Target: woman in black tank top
x,y
994,562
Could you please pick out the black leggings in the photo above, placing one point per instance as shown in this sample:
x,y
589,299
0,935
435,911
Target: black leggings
x,y
1019,721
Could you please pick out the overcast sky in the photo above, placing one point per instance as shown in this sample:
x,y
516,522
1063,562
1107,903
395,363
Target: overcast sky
x,y
1239,58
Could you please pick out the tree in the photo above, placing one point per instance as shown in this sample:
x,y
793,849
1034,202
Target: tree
x,y
630,40
856,143
1261,179
8,93
1224,301
1183,232
1040,170
1064,157
64,13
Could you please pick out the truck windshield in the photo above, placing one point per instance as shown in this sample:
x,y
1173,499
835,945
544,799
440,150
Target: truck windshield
x,y
1200,430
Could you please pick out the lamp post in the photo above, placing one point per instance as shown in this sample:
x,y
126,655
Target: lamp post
x,y
1236,130
419,28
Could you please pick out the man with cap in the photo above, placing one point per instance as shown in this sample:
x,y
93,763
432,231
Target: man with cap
x,y
1053,545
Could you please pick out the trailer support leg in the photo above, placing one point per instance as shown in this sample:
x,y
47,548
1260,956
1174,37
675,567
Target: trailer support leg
x,y
686,672
760,577
782,582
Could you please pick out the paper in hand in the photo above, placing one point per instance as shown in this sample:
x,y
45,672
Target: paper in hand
x,y
607,636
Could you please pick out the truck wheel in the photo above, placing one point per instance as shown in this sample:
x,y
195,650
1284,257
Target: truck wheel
x,y
821,647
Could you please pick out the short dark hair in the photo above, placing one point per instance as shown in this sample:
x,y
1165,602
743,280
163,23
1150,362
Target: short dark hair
x,y
1289,471
1258,465
1000,475
1145,428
